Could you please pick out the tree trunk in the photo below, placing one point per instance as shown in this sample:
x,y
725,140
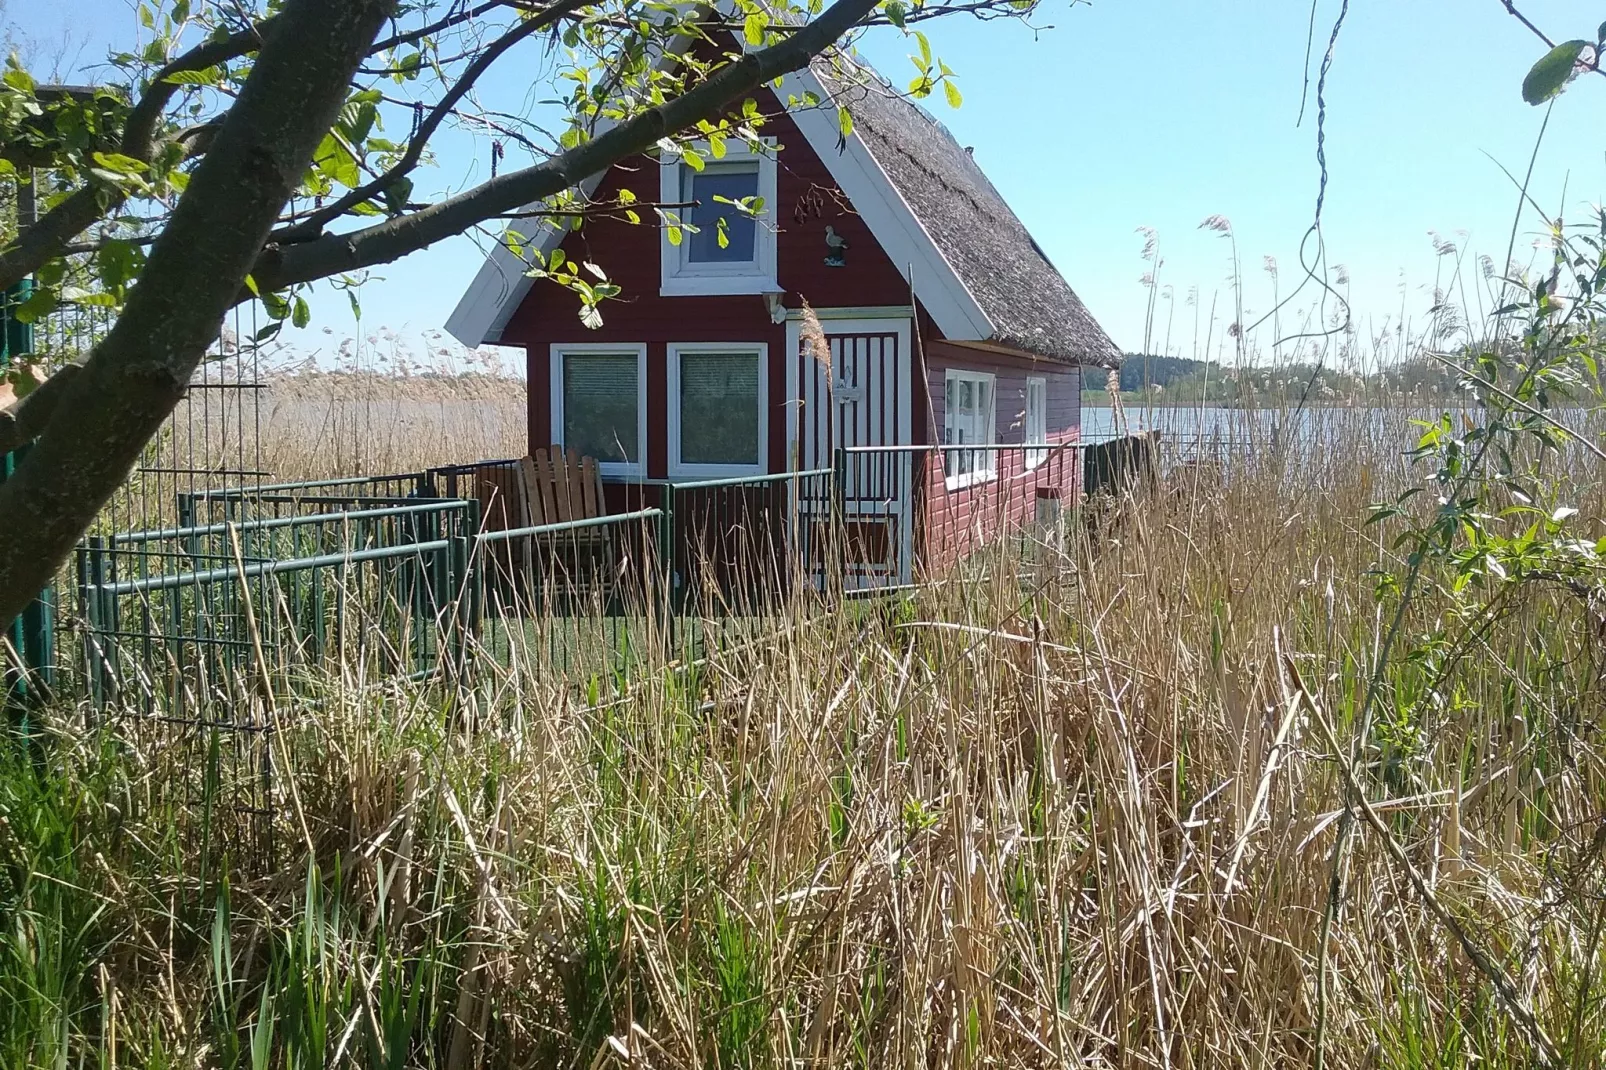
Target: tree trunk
x,y
136,376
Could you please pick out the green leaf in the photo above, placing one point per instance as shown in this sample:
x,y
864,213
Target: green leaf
x,y
1550,74
753,28
844,121
674,235
301,315
925,47
895,12
209,76
397,194
693,160
41,304
16,77
117,162
336,160
954,99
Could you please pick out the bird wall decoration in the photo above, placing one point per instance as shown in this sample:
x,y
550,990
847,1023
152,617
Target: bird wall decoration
x,y
836,246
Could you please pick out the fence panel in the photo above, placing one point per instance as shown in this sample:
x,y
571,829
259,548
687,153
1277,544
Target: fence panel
x,y
574,599
175,619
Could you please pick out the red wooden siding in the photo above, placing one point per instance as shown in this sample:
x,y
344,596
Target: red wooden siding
x,y
955,520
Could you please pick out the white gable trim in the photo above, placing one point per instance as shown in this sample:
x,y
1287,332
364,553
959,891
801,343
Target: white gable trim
x,y
892,222
501,283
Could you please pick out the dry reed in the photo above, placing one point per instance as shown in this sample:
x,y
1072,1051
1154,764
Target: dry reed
x,y
1066,807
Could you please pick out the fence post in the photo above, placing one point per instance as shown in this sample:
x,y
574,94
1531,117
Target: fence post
x,y
460,603
837,536
666,560
94,575
32,633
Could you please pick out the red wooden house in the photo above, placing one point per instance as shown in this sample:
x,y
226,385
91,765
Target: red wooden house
x,y
945,323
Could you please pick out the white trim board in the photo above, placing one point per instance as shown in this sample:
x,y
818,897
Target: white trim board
x,y
762,400
679,276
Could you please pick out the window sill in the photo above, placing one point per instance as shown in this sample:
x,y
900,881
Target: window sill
x,y
970,479
715,471
616,472
717,285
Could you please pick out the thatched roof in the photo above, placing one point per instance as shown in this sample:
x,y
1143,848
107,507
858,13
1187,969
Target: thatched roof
x,y
1029,303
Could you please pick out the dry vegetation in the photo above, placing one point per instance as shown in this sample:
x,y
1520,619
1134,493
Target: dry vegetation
x,y
323,425
1075,809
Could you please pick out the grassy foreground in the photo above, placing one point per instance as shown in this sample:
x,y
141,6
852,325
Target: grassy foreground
x,y
1073,808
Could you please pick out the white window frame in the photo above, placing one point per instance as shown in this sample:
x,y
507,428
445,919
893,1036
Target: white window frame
x,y
1036,433
680,277
986,460
636,469
719,471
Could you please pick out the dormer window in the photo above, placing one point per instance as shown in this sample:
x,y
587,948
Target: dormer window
x,y
731,250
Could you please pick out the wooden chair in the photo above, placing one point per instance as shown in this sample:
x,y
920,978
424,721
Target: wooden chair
x,y
560,487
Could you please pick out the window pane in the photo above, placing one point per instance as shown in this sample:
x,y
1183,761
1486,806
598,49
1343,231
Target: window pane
x,y
719,408
733,182
600,394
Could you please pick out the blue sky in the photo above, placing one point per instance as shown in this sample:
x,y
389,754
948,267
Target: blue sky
x,y
1122,114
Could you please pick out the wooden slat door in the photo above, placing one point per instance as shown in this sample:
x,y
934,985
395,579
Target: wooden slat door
x,y
863,399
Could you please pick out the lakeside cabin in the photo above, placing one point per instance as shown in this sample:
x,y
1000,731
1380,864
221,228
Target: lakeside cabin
x,y
955,347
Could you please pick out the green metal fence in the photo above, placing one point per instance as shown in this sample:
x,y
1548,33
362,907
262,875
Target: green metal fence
x,y
268,585
175,620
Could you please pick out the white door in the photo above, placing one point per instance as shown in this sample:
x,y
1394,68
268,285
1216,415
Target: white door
x,y
863,400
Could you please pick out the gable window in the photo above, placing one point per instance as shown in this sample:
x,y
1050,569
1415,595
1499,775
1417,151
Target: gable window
x,y
1036,419
968,417
718,394
724,249
599,404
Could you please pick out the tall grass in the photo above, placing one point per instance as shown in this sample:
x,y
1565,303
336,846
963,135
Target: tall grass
x,y
1072,805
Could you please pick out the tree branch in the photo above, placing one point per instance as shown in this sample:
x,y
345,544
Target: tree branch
x,y
22,421
313,225
381,243
1511,8
47,238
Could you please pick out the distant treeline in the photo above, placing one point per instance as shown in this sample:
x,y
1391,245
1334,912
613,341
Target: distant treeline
x,y
1187,380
